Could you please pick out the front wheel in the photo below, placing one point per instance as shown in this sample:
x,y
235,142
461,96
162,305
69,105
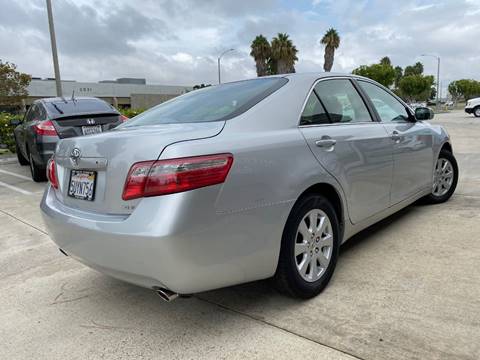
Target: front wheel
x,y
309,248
476,111
445,178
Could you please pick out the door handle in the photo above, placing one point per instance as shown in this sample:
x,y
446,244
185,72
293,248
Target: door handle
x,y
326,143
396,136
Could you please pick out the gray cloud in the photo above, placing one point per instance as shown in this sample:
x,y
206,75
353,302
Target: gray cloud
x,y
177,41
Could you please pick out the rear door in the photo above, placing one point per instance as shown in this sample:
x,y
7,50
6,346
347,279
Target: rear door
x,y
352,147
21,133
412,143
83,117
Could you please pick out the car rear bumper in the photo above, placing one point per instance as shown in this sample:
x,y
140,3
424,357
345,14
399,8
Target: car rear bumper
x,y
184,248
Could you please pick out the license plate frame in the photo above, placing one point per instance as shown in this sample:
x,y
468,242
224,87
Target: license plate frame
x,y
92,129
73,190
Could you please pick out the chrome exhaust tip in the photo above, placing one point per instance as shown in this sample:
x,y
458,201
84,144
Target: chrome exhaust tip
x,y
165,294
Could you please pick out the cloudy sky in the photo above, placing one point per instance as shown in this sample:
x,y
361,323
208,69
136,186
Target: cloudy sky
x,y
177,41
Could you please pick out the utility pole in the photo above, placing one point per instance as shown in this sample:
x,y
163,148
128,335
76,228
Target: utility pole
x,y
53,40
437,100
218,63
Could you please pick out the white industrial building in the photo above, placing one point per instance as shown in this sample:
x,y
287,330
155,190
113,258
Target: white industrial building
x,y
123,92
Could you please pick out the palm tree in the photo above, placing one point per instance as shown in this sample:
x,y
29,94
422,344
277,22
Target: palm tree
x,y
261,52
284,54
331,40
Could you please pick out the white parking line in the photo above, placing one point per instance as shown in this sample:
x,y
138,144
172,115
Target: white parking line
x,y
15,174
11,187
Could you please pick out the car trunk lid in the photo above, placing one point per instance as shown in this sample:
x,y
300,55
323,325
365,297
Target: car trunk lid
x,y
91,123
110,155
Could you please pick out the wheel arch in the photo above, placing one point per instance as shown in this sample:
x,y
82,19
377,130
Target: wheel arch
x,y
447,146
333,196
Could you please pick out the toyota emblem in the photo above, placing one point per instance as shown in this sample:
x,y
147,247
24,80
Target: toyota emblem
x,y
75,156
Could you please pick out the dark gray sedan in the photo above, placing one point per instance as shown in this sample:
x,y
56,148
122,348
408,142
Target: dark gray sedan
x,y
51,119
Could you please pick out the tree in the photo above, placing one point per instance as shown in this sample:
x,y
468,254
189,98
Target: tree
x,y
261,53
13,84
416,87
277,57
466,88
331,40
383,72
416,69
398,76
284,54
385,61
454,91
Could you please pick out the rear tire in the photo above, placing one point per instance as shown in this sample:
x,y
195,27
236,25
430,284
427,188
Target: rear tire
x,y
39,174
20,157
445,178
317,251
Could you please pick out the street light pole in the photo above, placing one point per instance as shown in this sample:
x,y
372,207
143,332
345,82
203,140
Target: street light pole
x,y
218,63
437,99
53,40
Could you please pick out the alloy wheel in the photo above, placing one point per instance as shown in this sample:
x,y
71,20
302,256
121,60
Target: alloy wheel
x,y
313,245
443,177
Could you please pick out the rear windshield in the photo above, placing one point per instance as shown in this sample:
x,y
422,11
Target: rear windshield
x,y
214,103
78,106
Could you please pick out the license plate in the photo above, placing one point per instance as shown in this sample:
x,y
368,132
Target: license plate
x,y
89,130
82,184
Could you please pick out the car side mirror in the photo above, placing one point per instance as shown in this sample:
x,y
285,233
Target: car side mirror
x,y
15,122
423,113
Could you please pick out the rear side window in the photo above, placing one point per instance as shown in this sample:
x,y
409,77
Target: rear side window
x,y
79,106
342,101
30,115
42,114
214,103
313,113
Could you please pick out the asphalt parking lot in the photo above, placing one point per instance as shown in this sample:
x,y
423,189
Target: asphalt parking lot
x,y
408,287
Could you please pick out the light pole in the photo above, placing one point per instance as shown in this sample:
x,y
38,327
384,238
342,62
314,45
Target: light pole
x,y
437,100
56,68
218,62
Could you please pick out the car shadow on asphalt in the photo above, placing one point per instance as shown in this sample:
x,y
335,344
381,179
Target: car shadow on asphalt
x,y
368,234
248,298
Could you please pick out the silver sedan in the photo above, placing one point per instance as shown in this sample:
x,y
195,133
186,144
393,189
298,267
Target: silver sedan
x,y
244,181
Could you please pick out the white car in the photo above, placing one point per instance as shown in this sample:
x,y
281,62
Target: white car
x,y
473,107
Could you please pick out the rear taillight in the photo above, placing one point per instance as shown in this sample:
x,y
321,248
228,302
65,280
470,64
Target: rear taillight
x,y
161,177
45,128
52,173
123,118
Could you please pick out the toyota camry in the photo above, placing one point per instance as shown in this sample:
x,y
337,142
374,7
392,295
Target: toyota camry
x,y
249,180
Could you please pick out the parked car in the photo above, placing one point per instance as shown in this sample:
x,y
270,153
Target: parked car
x,y
244,181
51,119
473,107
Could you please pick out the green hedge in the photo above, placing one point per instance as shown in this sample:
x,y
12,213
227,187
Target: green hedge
x,y
130,112
6,130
